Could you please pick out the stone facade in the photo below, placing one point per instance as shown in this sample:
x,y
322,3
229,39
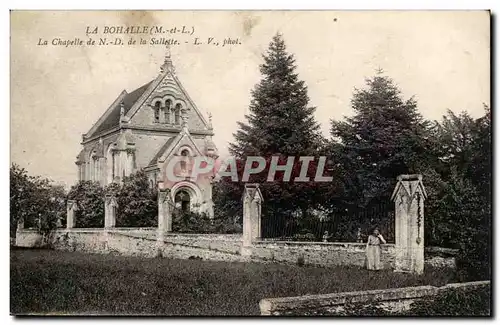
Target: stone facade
x,y
145,129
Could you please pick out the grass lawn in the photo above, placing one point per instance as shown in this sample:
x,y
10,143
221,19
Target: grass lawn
x,y
56,282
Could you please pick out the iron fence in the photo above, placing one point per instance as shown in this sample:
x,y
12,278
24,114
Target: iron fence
x,y
346,222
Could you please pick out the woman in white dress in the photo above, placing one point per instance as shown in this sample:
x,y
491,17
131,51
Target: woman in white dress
x,y
373,250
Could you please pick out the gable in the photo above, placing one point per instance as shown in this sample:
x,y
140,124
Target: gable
x,y
172,145
138,106
167,87
180,140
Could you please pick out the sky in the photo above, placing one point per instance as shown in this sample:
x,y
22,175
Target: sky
x,y
442,58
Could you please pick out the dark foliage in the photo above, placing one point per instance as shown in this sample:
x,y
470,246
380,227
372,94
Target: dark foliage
x,y
280,123
280,119
453,302
36,201
385,138
200,223
89,197
137,201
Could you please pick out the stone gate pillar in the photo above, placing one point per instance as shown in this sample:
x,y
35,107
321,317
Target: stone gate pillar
x,y
20,224
409,196
252,202
110,205
71,208
164,212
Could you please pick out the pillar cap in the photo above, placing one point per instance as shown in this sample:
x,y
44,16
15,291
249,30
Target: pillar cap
x,y
410,177
72,205
409,184
111,200
252,191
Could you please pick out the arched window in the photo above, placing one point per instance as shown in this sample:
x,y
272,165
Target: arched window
x,y
157,112
168,107
185,155
178,114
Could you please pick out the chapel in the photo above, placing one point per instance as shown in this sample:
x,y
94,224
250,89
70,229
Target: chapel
x,y
143,130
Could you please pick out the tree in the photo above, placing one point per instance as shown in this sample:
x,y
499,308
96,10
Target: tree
x,y
456,140
280,123
20,192
89,197
280,119
137,201
34,200
386,137
460,214
480,168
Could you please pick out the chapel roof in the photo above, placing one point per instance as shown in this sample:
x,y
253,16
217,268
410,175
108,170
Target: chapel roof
x,y
167,144
113,119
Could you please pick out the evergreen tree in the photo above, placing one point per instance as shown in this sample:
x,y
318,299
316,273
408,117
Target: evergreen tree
x,y
460,214
456,141
280,120
385,138
480,167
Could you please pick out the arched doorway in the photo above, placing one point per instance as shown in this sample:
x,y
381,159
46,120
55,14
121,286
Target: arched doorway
x,y
183,200
186,196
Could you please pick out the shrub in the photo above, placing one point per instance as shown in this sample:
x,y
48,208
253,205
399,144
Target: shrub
x,y
35,200
473,261
451,302
195,222
190,222
455,302
89,197
137,201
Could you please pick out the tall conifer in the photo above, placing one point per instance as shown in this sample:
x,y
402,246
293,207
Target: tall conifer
x,y
280,118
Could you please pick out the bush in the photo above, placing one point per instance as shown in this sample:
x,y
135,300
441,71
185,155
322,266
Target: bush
x,y
137,201
190,222
89,197
35,200
195,222
451,302
473,261
455,302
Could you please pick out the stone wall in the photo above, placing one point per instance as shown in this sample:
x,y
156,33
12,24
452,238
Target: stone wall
x,y
138,242
393,300
332,254
225,247
322,254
